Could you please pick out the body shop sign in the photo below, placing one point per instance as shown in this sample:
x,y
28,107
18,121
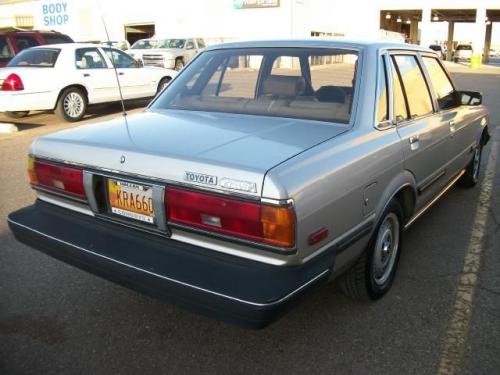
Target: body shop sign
x,y
54,13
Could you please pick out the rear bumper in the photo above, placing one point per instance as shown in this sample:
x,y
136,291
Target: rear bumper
x,y
237,290
11,101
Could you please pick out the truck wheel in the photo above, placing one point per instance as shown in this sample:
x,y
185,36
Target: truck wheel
x,y
163,83
179,63
71,105
471,175
373,273
17,114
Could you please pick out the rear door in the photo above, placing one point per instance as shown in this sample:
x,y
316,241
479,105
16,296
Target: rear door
x,y
424,137
94,74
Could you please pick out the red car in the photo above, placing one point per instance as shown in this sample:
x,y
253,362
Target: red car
x,y
13,42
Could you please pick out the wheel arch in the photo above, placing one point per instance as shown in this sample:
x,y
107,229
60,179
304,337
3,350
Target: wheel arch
x,y
75,85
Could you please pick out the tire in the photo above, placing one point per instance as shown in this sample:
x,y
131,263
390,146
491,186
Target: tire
x,y
373,273
179,64
471,176
17,114
71,105
163,83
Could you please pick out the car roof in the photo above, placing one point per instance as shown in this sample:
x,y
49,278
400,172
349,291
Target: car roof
x,y
70,46
320,43
30,32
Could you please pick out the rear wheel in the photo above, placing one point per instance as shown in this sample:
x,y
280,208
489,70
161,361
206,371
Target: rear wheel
x,y
372,275
163,83
72,104
17,114
471,175
179,63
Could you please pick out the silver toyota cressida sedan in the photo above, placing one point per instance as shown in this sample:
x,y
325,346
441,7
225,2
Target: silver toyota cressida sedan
x,y
262,171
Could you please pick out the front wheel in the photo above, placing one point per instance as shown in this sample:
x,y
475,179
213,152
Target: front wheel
x,y
372,275
17,114
179,63
471,175
71,105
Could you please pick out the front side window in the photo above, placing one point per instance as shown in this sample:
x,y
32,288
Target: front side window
x,y
304,83
89,58
120,59
415,88
37,57
441,84
201,43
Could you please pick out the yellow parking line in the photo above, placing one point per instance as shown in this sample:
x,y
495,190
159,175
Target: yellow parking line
x,y
452,352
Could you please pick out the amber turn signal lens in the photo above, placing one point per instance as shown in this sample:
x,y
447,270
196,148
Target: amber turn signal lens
x,y
278,225
31,170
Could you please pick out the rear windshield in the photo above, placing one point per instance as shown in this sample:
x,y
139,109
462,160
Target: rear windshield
x,y
5,50
36,57
305,83
144,44
56,38
466,48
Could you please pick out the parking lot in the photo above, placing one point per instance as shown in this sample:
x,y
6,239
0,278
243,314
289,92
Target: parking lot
x,y
55,319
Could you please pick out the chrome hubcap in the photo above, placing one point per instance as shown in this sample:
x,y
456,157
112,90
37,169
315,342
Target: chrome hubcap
x,y
386,249
73,104
477,159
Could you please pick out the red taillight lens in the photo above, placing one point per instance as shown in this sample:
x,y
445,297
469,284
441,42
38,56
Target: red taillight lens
x,y
67,180
12,83
272,225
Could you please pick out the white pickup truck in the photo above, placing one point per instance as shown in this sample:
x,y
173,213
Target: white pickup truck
x,y
173,53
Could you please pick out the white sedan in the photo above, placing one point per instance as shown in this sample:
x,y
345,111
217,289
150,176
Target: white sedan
x,y
67,78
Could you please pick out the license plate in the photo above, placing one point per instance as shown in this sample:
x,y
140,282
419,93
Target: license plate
x,y
131,200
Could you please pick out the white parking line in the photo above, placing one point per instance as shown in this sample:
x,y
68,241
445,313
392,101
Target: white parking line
x,y
452,353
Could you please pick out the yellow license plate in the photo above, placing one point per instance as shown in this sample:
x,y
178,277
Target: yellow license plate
x,y
131,200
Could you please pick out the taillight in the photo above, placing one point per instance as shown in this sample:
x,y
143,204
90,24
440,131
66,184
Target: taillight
x,y
272,225
60,178
12,83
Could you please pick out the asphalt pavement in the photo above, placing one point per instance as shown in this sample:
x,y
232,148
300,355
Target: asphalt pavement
x,y
55,319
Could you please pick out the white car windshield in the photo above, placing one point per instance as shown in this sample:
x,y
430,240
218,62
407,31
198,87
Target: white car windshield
x,y
144,44
172,43
36,57
305,83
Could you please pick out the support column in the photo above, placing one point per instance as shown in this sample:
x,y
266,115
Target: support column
x,y
449,42
426,37
479,33
487,43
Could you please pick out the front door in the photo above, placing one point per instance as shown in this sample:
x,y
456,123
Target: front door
x,y
423,136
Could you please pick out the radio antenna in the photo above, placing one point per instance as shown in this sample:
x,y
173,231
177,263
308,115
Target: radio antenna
x,y
112,57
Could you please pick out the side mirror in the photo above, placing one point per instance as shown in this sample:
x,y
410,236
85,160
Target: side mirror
x,y
471,98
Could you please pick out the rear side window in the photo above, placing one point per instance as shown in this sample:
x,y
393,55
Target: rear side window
x,y
56,38
89,58
37,57
24,41
441,84
5,50
417,95
382,98
400,112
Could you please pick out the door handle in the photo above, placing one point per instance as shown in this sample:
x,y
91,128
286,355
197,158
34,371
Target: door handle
x,y
86,75
452,126
121,73
414,142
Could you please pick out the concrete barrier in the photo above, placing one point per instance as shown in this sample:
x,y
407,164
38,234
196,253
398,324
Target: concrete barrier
x,y
7,128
